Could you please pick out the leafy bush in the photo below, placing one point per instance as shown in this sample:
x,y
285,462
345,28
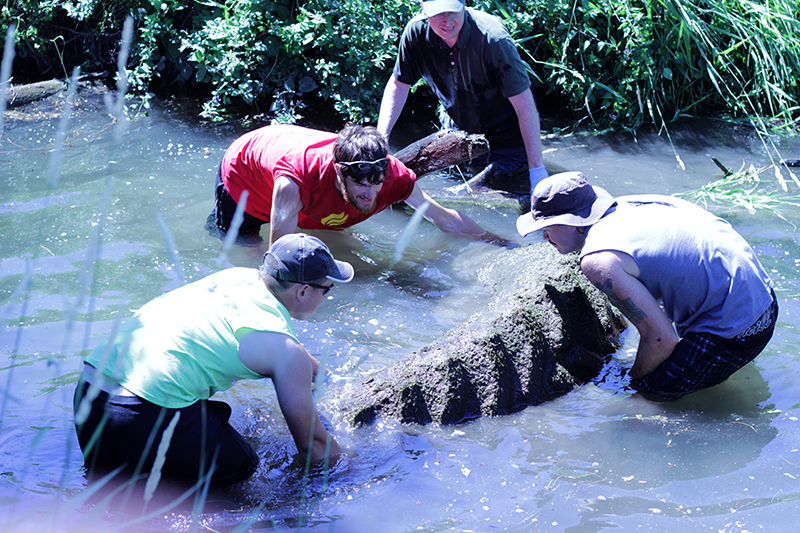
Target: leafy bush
x,y
53,36
276,54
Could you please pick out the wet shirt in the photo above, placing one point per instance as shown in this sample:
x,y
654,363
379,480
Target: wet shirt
x,y
184,345
474,79
253,161
705,274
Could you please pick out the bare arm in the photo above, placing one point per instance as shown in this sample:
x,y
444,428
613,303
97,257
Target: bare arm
x,y
451,221
291,368
528,117
286,204
615,273
394,99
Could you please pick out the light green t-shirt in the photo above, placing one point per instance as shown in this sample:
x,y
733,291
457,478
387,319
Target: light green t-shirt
x,y
184,345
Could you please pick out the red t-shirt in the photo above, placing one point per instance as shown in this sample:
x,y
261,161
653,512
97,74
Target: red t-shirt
x,y
306,156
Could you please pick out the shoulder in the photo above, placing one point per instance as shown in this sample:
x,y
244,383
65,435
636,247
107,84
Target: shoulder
x,y
261,351
400,180
398,170
487,36
228,277
604,264
307,158
658,201
491,27
415,28
655,210
598,261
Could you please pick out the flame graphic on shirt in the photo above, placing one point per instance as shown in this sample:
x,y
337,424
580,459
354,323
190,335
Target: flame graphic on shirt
x,y
335,219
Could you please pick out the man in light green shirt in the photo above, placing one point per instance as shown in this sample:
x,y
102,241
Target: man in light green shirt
x,y
160,368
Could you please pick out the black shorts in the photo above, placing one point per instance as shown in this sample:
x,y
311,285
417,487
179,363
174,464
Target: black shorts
x,y
701,360
225,207
126,431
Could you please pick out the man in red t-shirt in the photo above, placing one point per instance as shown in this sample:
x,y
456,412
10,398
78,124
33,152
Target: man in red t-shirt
x,y
299,177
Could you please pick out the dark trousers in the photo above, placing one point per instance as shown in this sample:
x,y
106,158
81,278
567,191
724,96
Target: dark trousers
x,y
224,209
127,430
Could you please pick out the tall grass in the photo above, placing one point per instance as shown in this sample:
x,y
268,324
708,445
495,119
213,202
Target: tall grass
x,y
5,72
630,62
622,64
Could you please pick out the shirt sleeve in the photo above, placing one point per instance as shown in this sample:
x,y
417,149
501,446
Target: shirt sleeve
x,y
510,71
401,182
406,67
295,167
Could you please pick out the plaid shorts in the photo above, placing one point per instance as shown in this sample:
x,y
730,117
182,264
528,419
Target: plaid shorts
x,y
701,360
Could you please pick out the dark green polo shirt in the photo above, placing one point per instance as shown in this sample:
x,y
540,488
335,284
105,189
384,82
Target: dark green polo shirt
x,y
474,79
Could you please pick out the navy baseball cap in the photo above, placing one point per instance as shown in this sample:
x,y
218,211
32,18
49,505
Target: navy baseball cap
x,y
302,258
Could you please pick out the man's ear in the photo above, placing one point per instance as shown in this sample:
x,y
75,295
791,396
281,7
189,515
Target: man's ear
x,y
301,291
340,185
291,297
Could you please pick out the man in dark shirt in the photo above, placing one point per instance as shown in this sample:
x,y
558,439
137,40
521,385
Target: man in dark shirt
x,y
469,60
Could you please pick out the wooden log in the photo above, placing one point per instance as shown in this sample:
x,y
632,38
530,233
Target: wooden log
x,y
19,95
546,331
442,149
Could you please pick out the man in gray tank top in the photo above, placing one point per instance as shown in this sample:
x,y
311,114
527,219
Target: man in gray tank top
x,y
691,285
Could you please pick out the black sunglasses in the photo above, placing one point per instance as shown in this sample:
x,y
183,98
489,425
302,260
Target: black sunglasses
x,y
364,168
325,288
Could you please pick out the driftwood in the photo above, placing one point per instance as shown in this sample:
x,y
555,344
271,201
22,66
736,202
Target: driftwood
x,y
19,95
442,149
546,331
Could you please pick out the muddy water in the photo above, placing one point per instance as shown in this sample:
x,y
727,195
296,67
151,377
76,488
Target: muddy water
x,y
76,257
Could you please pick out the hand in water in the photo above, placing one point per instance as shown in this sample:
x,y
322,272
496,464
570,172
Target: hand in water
x,y
331,378
501,241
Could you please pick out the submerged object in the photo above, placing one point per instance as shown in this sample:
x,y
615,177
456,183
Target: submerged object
x,y
546,331
442,149
18,95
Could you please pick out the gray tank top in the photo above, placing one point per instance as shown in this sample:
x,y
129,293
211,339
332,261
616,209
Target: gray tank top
x,y
704,273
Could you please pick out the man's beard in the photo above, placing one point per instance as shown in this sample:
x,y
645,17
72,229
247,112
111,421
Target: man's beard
x,y
352,200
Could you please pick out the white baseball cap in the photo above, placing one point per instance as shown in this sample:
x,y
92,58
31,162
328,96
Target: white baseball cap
x,y
434,7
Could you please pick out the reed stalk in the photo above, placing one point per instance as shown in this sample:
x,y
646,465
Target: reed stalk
x,y
233,230
172,250
5,72
408,234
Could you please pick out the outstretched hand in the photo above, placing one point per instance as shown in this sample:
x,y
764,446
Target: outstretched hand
x,y
491,238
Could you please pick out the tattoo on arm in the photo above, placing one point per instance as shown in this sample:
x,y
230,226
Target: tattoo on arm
x,y
628,308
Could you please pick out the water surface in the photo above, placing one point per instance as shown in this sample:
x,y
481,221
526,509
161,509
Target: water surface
x,y
76,257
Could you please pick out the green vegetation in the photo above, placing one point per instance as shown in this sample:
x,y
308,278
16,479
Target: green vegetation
x,y
606,63
751,188
632,62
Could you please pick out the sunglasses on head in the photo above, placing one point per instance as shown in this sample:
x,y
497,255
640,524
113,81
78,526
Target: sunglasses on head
x,y
366,168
